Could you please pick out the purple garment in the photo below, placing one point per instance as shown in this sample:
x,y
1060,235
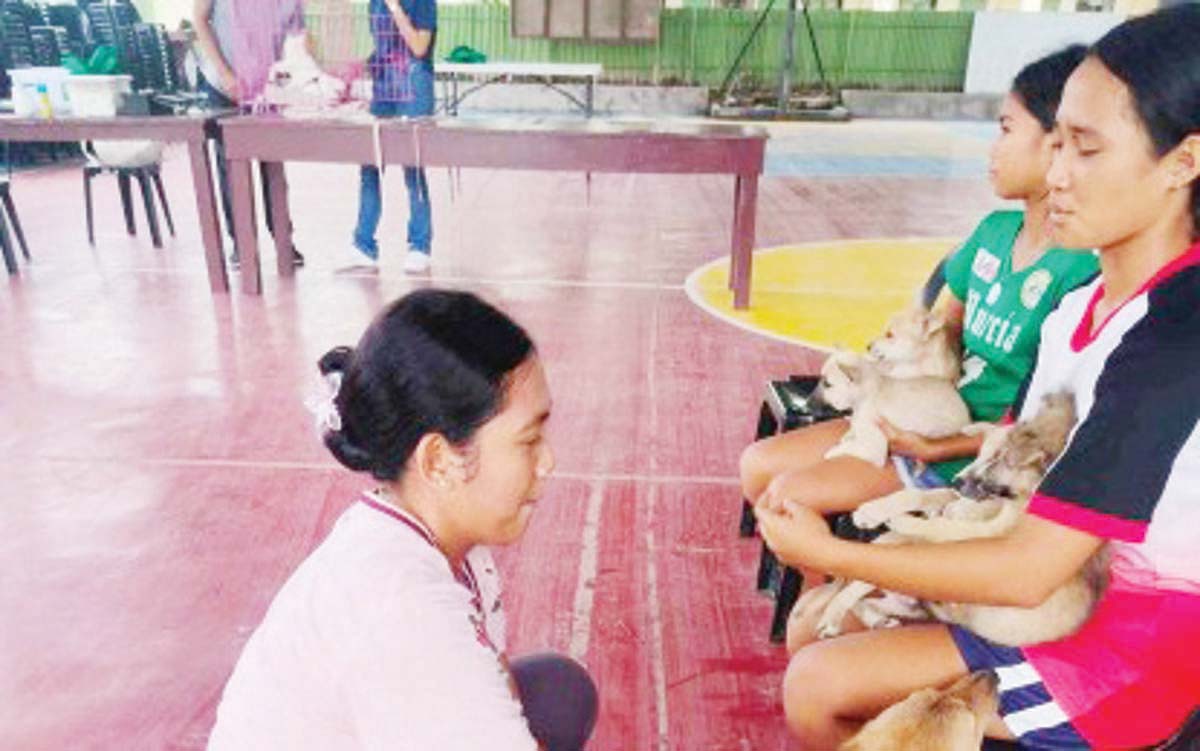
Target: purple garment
x,y
250,34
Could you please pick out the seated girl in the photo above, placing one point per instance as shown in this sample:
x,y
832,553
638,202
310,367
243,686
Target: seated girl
x,y
1004,280
1124,180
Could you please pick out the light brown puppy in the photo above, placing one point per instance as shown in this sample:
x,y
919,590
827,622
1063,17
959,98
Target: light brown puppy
x,y
918,342
923,405
953,719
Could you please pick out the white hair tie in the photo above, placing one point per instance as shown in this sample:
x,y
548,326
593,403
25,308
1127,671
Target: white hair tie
x,y
323,404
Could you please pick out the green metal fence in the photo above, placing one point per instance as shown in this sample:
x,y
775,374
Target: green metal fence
x,y
903,50
900,50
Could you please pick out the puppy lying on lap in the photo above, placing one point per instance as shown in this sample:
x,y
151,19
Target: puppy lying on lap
x,y
995,490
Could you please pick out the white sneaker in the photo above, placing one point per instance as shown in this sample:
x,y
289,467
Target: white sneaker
x,y
416,262
352,259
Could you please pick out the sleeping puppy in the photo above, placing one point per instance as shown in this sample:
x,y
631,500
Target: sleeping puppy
x,y
931,720
1010,466
924,405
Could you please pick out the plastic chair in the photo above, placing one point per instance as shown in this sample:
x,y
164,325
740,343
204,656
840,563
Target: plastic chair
x,y
128,161
11,220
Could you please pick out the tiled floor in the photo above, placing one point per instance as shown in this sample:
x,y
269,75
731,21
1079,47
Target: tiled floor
x,y
159,476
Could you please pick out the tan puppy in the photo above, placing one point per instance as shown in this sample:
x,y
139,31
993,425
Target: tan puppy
x,y
918,342
924,405
933,720
1010,466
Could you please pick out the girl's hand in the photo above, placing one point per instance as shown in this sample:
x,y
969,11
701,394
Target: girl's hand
x,y
908,443
798,535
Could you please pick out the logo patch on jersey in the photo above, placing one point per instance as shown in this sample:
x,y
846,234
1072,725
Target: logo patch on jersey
x,y
994,293
985,266
972,367
1034,287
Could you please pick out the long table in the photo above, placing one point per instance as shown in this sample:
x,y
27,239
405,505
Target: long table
x,y
570,145
549,75
193,130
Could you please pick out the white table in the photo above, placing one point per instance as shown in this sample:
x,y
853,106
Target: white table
x,y
549,75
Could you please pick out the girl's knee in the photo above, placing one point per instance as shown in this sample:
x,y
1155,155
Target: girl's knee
x,y
804,706
753,470
801,631
812,693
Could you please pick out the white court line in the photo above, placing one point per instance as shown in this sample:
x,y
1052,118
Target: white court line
x,y
585,585
725,481
657,666
458,280
657,663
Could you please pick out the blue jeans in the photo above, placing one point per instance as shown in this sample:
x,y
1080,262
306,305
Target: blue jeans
x,y
370,202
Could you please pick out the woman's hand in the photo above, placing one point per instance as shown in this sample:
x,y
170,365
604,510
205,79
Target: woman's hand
x,y
798,535
228,84
908,443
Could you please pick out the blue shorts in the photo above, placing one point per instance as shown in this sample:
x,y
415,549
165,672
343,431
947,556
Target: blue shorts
x,y
1026,707
917,474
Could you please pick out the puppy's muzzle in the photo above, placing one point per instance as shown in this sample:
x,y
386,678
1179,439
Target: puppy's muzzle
x,y
979,488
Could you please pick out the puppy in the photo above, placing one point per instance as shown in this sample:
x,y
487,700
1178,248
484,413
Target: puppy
x,y
933,720
1010,465
297,81
916,343
925,405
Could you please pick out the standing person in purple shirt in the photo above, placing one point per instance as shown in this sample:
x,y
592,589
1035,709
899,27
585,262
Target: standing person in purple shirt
x,y
401,66
236,43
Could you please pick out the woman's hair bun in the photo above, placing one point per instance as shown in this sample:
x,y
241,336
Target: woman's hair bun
x,y
336,360
351,456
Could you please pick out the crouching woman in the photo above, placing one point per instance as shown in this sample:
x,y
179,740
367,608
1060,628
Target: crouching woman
x,y
390,635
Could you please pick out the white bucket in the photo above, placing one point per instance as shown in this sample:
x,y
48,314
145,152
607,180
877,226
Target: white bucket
x,y
97,96
25,96
128,153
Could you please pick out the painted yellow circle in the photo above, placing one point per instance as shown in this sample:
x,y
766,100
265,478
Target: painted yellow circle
x,y
823,295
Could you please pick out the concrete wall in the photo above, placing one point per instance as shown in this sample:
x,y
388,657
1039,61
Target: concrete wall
x,y
921,105
1004,42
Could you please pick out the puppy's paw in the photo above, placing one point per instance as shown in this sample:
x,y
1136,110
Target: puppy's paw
x,y
828,630
872,514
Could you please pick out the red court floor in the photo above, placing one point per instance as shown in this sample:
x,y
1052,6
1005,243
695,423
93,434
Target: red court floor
x,y
159,475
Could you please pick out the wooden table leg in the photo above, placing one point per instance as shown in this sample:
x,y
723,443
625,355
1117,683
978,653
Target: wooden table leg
x,y
743,239
734,234
206,209
281,218
245,228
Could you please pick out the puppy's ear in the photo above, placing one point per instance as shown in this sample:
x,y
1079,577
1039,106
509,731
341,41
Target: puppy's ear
x,y
934,322
1037,457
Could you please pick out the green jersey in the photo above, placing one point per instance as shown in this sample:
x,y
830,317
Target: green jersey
x,y
1004,313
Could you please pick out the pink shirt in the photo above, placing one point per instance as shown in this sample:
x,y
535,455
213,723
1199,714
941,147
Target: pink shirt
x,y
250,34
373,644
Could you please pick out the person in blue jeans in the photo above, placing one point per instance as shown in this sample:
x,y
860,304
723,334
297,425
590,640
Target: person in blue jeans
x,y
402,86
